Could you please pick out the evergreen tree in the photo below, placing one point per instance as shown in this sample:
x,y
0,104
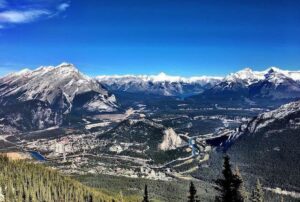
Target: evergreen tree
x,y
257,193
121,197
241,193
146,199
193,197
229,185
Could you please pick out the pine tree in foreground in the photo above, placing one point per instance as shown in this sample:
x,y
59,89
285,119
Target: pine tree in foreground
x,y
242,193
257,193
230,185
193,197
146,199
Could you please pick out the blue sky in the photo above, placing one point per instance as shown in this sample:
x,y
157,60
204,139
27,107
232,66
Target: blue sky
x,y
179,37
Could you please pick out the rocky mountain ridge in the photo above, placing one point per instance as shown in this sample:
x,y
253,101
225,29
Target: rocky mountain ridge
x,y
37,99
166,85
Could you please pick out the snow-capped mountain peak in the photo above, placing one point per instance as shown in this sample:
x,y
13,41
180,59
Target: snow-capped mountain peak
x,y
67,68
161,77
177,85
45,95
246,75
19,73
66,64
274,69
295,75
47,82
271,73
249,76
62,67
23,71
162,83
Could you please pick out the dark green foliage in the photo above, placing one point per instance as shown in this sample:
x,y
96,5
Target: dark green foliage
x,y
229,186
27,182
242,192
192,194
146,199
269,154
257,194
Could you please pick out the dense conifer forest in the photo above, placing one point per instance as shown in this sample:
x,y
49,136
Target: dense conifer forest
x,y
21,181
28,182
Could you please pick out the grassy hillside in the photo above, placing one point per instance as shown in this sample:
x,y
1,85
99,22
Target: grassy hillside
x,y
162,191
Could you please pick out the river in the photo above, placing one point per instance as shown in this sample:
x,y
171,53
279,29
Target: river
x,y
37,156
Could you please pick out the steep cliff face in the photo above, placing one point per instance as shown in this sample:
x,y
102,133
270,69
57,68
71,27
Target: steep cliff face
x,y
170,140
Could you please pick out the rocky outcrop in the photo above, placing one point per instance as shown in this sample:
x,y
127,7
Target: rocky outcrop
x,y
170,140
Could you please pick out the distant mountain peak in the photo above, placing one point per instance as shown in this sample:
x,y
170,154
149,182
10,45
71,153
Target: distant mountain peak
x,y
20,73
161,84
162,74
274,69
246,69
246,75
61,88
159,78
66,64
24,71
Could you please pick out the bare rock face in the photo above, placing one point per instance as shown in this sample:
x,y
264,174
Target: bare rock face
x,y
40,98
170,140
285,117
287,113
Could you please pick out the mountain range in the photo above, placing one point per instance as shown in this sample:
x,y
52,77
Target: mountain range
x,y
272,85
163,84
160,84
47,96
205,114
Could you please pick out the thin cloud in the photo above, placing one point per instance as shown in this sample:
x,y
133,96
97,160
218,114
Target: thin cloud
x,y
63,6
29,11
17,17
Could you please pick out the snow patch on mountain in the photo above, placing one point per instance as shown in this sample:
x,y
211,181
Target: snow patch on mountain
x,y
246,75
266,118
161,77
